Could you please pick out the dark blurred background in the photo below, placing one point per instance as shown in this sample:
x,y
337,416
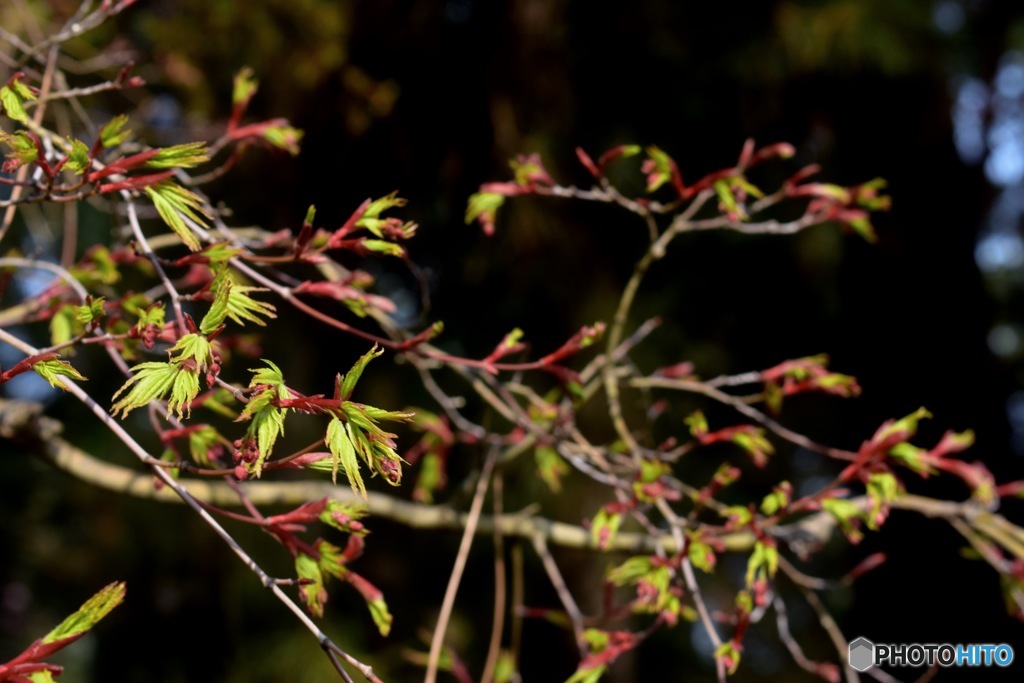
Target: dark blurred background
x,y
433,98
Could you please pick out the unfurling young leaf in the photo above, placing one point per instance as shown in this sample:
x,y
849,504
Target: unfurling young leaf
x,y
587,674
529,170
267,420
174,204
78,158
701,554
378,206
728,202
605,525
381,616
187,155
778,499
89,614
374,601
550,467
848,515
232,300
90,311
179,376
347,383
153,316
64,325
221,287
729,654
313,592
150,382
244,87
763,563
375,446
183,392
883,488
23,150
242,307
283,137
660,169
13,97
270,375
383,247
483,207
114,133
344,455
194,347
50,370
630,571
267,425
345,516
201,443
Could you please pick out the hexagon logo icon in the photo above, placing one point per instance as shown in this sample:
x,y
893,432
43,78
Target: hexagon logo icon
x,y
862,654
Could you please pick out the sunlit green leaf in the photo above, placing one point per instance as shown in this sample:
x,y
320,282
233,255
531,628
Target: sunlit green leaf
x,y
114,132
551,467
345,516
243,308
484,205
89,614
78,158
267,425
588,674
174,204
313,593
605,526
347,383
383,247
344,455
183,392
90,311
660,168
729,654
200,441
244,87
14,103
629,571
763,562
187,155
150,382
50,370
284,138
23,149
193,347
221,287
380,615
269,375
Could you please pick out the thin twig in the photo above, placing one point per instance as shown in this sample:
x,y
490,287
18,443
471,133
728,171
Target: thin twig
x,y
500,588
572,610
839,641
703,388
437,642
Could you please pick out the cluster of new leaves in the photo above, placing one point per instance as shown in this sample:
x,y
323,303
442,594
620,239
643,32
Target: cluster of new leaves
x,y
739,200
353,432
181,366
75,170
320,560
